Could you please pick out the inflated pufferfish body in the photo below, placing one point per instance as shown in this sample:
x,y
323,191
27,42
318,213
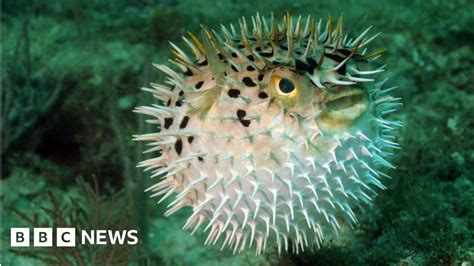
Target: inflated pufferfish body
x,y
272,134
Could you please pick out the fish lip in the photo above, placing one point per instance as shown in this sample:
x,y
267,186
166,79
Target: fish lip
x,y
344,93
358,105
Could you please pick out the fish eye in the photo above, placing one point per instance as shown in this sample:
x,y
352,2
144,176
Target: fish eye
x,y
284,87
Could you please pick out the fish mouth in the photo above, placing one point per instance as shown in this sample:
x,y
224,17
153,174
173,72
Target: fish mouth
x,y
346,105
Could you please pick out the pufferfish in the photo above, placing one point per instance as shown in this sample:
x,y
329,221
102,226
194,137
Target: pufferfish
x,y
274,134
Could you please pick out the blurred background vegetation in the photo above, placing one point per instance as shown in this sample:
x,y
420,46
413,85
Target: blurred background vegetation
x,y
71,73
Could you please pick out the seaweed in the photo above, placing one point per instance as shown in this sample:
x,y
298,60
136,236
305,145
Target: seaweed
x,y
87,211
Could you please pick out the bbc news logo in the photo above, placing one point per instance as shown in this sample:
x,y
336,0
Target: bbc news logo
x,y
66,237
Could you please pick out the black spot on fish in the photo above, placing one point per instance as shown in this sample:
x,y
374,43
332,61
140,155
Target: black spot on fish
x,y
251,58
188,72
250,68
200,158
220,56
234,68
260,77
179,103
178,146
266,54
203,63
184,122
302,67
284,47
190,139
312,63
168,103
342,70
181,93
335,57
168,122
345,52
248,82
199,85
245,123
233,93
258,49
241,114
233,54
240,46
262,95
225,74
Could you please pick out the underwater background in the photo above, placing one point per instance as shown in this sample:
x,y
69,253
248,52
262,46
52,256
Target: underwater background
x,y
72,73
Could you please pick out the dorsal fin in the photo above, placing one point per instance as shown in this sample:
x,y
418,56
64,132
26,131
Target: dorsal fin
x,y
201,101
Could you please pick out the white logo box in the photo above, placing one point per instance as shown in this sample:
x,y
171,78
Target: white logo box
x,y
43,237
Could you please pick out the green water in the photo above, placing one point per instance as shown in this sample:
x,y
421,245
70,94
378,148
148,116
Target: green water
x,y
71,73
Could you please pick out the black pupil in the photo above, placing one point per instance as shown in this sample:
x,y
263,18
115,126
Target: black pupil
x,y
286,86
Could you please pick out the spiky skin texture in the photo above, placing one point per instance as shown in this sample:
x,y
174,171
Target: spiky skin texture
x,y
273,135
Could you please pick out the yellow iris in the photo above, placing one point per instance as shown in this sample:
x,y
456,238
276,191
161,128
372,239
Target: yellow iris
x,y
284,88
